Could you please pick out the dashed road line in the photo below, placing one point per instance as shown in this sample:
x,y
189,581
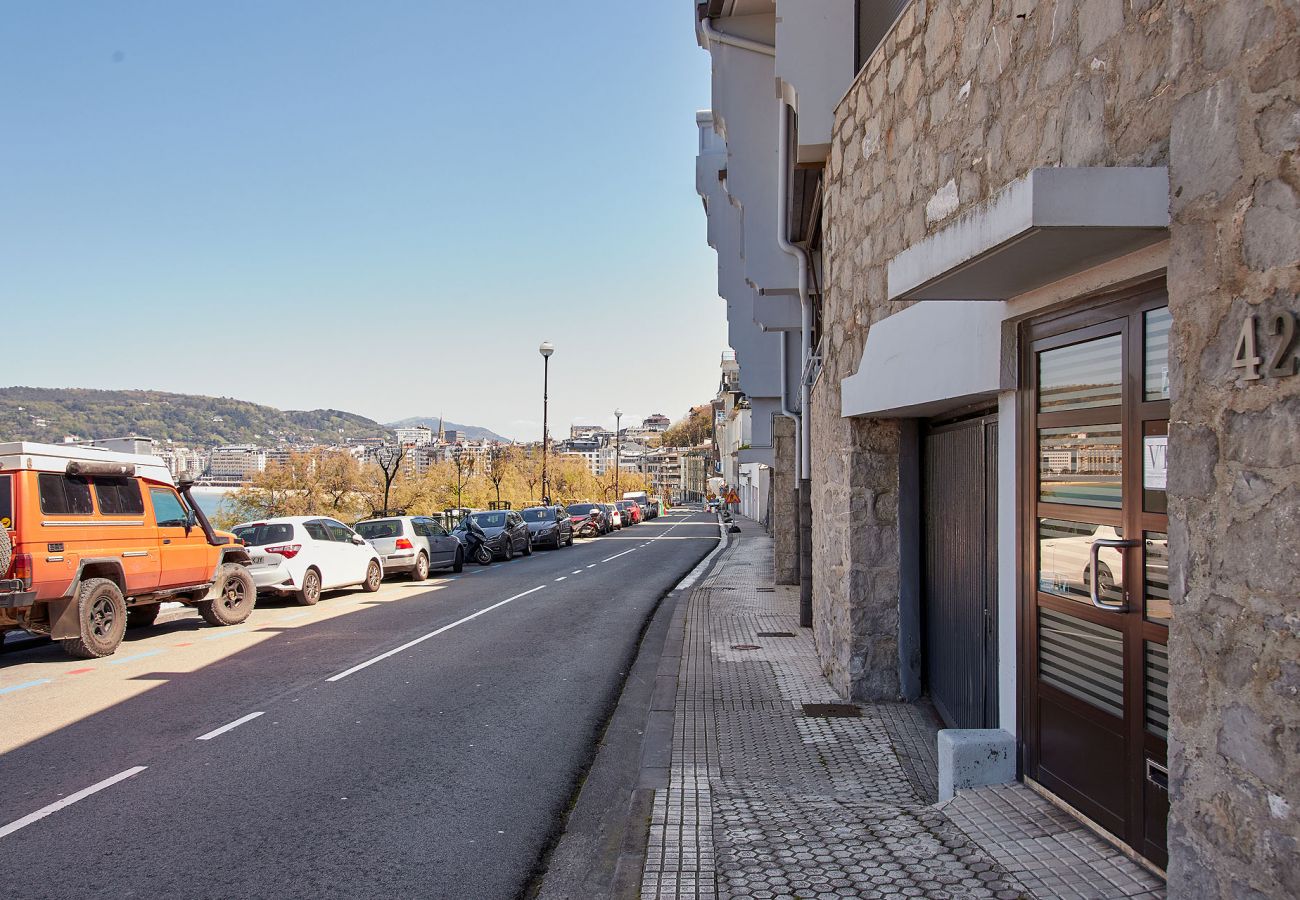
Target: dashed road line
x,y
617,555
217,732
409,644
22,687
562,577
122,660
68,801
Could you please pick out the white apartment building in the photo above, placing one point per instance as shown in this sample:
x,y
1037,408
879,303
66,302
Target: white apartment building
x,y
414,436
236,462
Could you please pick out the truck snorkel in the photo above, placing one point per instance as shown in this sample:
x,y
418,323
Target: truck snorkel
x,y
184,487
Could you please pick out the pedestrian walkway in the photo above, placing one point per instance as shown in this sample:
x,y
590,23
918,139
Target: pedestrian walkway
x,y
779,789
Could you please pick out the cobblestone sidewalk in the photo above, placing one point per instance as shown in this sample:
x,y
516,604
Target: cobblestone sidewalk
x,y
780,790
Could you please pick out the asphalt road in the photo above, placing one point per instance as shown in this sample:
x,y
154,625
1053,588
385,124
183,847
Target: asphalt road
x,y
423,741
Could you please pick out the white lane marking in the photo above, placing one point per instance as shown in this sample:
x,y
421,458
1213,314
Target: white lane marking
x,y
409,644
218,732
592,566
68,801
577,571
617,555
562,577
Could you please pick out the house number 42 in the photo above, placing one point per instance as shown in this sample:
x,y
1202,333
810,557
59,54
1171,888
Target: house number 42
x,y
1283,361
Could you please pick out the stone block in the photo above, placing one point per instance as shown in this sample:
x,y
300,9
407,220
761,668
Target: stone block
x,y
970,757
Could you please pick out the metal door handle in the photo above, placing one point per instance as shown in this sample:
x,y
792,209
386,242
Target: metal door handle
x,y
167,540
1092,571
1158,775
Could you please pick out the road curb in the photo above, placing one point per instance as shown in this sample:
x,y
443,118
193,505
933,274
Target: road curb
x,y
601,851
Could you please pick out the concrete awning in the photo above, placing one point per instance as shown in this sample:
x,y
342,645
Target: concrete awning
x,y
1050,224
926,359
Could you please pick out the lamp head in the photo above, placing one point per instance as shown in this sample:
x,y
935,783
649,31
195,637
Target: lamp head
x,y
546,349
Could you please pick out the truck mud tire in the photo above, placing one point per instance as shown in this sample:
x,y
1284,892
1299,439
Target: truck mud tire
x,y
374,577
143,615
101,613
309,593
6,551
235,599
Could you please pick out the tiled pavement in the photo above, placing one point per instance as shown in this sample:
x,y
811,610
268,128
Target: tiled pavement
x,y
770,799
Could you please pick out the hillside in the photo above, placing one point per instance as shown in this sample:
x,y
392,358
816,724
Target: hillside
x,y
466,432
48,414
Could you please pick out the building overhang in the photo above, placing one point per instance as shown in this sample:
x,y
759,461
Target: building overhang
x,y
764,455
927,359
1052,223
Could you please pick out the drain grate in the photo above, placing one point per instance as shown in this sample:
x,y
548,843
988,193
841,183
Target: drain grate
x,y
745,647
775,634
831,711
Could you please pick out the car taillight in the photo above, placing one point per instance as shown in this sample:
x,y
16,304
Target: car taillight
x,y
21,568
404,544
288,551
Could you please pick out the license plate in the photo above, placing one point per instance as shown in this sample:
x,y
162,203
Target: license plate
x,y
258,560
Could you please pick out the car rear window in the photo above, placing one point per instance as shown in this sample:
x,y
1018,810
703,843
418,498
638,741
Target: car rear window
x,y
6,501
64,495
261,535
581,509
119,496
383,528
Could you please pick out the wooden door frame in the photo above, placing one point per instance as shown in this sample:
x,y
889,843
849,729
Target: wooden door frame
x,y
1095,313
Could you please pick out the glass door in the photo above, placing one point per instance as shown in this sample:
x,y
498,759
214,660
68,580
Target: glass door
x,y
1095,565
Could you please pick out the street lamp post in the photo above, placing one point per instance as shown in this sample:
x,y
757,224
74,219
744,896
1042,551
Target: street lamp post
x,y
546,349
618,441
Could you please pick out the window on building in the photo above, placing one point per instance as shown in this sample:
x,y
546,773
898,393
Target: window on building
x,y
873,20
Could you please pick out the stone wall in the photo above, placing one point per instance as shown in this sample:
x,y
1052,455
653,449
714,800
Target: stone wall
x,y
964,97
785,510
961,99
1234,489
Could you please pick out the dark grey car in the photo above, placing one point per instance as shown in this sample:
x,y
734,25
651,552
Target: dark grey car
x,y
549,525
505,532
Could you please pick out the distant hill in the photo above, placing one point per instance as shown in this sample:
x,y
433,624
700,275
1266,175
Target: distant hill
x,y
48,414
468,432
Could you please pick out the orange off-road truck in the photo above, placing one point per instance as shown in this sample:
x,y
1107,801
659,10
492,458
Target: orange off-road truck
x,y
93,542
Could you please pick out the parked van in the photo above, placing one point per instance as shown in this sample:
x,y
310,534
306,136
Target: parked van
x,y
93,543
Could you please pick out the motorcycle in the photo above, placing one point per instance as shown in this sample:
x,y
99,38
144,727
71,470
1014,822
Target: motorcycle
x,y
590,526
476,543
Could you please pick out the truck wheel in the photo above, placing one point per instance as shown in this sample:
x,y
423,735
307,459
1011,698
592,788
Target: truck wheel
x,y
421,570
142,616
6,550
236,597
101,612
309,593
374,577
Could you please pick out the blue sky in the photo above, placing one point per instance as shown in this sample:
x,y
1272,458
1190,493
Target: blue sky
x,y
378,207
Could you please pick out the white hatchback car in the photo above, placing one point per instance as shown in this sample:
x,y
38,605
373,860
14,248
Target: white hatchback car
x,y
301,556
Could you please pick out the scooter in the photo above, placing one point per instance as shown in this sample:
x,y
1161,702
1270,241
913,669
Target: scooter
x,y
476,543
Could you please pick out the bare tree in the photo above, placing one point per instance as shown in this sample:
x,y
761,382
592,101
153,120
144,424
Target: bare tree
x,y
389,457
464,464
499,460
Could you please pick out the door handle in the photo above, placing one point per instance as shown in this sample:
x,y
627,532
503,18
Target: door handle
x,y
167,540
1093,592
1158,775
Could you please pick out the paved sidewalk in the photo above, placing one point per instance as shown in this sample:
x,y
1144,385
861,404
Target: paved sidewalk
x,y
778,789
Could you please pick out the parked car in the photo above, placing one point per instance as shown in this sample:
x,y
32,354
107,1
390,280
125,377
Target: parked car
x,y
300,556
413,545
580,514
550,525
631,511
642,499
615,517
92,542
505,532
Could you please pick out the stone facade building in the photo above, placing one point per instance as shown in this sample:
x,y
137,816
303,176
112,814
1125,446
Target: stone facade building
x,y
1052,400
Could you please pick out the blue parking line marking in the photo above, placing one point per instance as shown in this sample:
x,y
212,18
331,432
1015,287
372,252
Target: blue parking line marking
x,y
21,687
224,632
117,661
